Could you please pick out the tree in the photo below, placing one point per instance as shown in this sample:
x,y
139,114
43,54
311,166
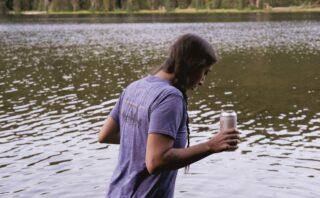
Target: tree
x,y
3,7
195,4
75,5
38,5
108,5
47,5
258,4
95,4
252,3
17,6
229,4
59,5
170,5
216,4
184,3
153,4
241,4
133,5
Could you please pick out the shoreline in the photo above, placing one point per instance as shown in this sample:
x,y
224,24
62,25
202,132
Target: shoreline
x,y
176,11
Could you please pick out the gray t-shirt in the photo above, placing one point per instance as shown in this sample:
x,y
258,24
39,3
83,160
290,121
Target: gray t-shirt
x,y
149,105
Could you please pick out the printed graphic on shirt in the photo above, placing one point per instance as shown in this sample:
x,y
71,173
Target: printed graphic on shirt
x,y
130,114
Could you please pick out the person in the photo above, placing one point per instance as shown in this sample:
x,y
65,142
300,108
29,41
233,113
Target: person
x,y
150,121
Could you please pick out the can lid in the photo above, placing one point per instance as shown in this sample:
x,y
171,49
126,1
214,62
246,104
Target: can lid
x,y
228,113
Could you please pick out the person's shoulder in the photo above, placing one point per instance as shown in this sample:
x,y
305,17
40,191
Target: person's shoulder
x,y
159,87
170,91
135,83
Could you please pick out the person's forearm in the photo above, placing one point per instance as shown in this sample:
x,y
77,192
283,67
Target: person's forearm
x,y
109,132
113,139
162,156
177,158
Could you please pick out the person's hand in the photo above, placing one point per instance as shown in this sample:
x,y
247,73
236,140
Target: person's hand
x,y
227,140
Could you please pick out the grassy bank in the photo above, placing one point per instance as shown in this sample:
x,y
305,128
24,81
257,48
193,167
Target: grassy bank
x,y
180,11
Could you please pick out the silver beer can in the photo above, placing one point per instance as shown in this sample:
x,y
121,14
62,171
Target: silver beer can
x,y
228,120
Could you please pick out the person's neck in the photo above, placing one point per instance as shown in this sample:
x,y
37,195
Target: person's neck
x,y
165,75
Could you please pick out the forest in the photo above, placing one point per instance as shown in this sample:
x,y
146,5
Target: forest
x,y
18,6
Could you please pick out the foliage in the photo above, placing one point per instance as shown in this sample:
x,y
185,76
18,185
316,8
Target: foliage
x,y
134,5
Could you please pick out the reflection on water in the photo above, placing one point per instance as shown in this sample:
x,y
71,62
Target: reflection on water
x,y
59,81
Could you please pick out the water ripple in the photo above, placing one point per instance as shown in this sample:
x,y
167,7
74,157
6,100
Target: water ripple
x,y
60,81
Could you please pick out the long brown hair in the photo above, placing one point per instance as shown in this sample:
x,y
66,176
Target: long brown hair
x,y
188,55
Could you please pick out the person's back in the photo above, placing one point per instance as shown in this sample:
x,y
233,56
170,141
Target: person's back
x,y
136,114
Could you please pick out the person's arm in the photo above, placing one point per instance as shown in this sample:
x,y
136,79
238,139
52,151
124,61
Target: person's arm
x,y
109,132
162,156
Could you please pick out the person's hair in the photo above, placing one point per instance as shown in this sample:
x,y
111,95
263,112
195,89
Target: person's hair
x,y
188,55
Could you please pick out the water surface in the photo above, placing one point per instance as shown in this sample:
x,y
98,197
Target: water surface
x,y
59,81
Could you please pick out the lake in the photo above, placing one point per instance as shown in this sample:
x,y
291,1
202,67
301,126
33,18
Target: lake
x,y
60,76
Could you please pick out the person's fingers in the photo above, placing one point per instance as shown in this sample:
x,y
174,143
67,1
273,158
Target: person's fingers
x,y
232,136
233,142
231,148
231,131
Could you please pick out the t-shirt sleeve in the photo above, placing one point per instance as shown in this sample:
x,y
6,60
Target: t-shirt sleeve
x,y
166,117
115,113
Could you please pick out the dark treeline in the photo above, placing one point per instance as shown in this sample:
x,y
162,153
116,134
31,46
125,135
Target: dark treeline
x,y
134,5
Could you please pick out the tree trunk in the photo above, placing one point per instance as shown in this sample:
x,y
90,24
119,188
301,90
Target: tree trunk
x,y
95,4
107,4
169,5
154,4
129,6
241,4
252,3
258,4
184,3
75,5
48,5
40,5
3,9
217,4
151,4
16,6
122,4
53,5
208,4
